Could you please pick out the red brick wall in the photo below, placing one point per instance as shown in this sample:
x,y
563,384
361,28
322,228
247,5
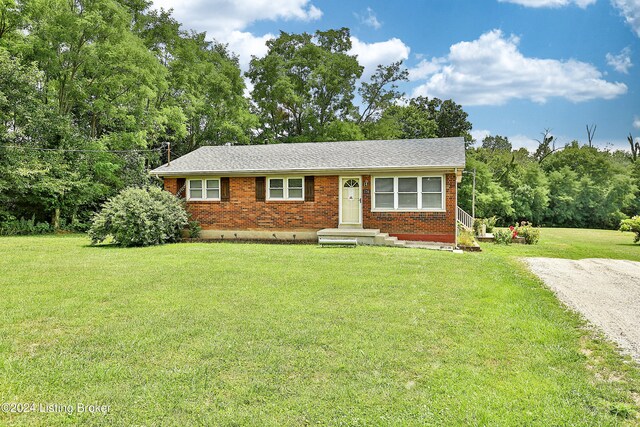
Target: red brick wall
x,y
428,226
243,212
171,185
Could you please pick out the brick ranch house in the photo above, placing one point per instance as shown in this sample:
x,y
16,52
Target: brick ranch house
x,y
394,189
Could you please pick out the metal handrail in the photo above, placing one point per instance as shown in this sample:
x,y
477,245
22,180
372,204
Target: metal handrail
x,y
465,219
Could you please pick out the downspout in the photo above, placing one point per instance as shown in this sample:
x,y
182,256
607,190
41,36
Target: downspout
x,y
456,207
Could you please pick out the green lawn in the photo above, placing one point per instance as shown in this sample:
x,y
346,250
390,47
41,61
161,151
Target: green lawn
x,y
574,243
243,334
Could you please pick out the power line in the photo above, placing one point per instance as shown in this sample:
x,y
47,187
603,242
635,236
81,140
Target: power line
x,y
70,150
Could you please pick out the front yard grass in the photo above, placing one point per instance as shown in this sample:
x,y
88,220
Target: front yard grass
x,y
245,334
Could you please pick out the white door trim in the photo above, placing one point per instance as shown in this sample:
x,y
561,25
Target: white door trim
x,y
340,183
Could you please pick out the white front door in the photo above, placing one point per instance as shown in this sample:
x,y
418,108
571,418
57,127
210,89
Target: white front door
x,y
350,200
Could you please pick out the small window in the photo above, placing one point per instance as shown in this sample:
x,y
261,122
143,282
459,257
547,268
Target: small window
x,y
407,193
294,186
286,188
276,188
213,189
195,189
432,192
204,189
384,193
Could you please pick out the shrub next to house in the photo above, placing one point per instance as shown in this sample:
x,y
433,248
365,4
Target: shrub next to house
x,y
139,217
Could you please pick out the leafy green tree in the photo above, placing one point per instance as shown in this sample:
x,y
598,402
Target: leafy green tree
x,y
563,191
304,83
381,92
496,143
492,199
401,122
450,118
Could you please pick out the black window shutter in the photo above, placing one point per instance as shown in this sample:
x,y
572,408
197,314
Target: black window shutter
x,y
309,190
224,189
260,188
181,191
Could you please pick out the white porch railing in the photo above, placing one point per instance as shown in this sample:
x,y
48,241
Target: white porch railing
x,y
465,219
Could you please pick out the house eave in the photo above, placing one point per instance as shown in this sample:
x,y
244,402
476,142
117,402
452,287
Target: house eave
x,y
309,171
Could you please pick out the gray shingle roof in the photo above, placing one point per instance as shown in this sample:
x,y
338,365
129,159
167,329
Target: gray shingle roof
x,y
320,156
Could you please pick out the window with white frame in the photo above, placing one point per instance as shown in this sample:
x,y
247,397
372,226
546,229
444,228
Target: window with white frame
x,y
408,193
291,188
384,193
431,192
204,189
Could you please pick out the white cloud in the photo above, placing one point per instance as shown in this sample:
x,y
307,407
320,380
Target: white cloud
x,y
630,9
219,17
520,141
369,19
370,55
425,68
636,122
245,44
224,20
620,62
550,3
480,134
492,71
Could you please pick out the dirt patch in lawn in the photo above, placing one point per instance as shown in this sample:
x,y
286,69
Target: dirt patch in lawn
x,y
605,291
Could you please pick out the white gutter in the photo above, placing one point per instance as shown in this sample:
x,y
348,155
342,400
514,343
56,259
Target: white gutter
x,y
310,171
456,208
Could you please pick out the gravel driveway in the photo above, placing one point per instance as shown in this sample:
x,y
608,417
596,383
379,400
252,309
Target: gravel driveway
x,y
604,291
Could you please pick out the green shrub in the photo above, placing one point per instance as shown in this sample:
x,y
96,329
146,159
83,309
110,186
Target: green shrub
x,y
502,237
194,229
530,233
491,223
139,217
632,224
465,238
19,227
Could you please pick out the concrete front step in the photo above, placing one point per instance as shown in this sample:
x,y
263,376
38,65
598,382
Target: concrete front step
x,y
366,236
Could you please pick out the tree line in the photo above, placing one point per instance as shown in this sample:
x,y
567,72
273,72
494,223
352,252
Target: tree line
x,y
91,92
575,185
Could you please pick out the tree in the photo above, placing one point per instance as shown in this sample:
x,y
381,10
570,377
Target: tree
x,y
497,142
450,118
401,122
304,83
83,79
563,190
635,147
591,131
380,93
546,146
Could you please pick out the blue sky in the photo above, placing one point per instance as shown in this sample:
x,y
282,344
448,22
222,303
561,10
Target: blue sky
x,y
516,66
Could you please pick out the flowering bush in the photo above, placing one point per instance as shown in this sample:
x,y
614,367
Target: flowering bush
x,y
525,230
530,233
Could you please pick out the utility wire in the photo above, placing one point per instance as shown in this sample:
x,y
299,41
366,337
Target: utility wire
x,y
81,151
